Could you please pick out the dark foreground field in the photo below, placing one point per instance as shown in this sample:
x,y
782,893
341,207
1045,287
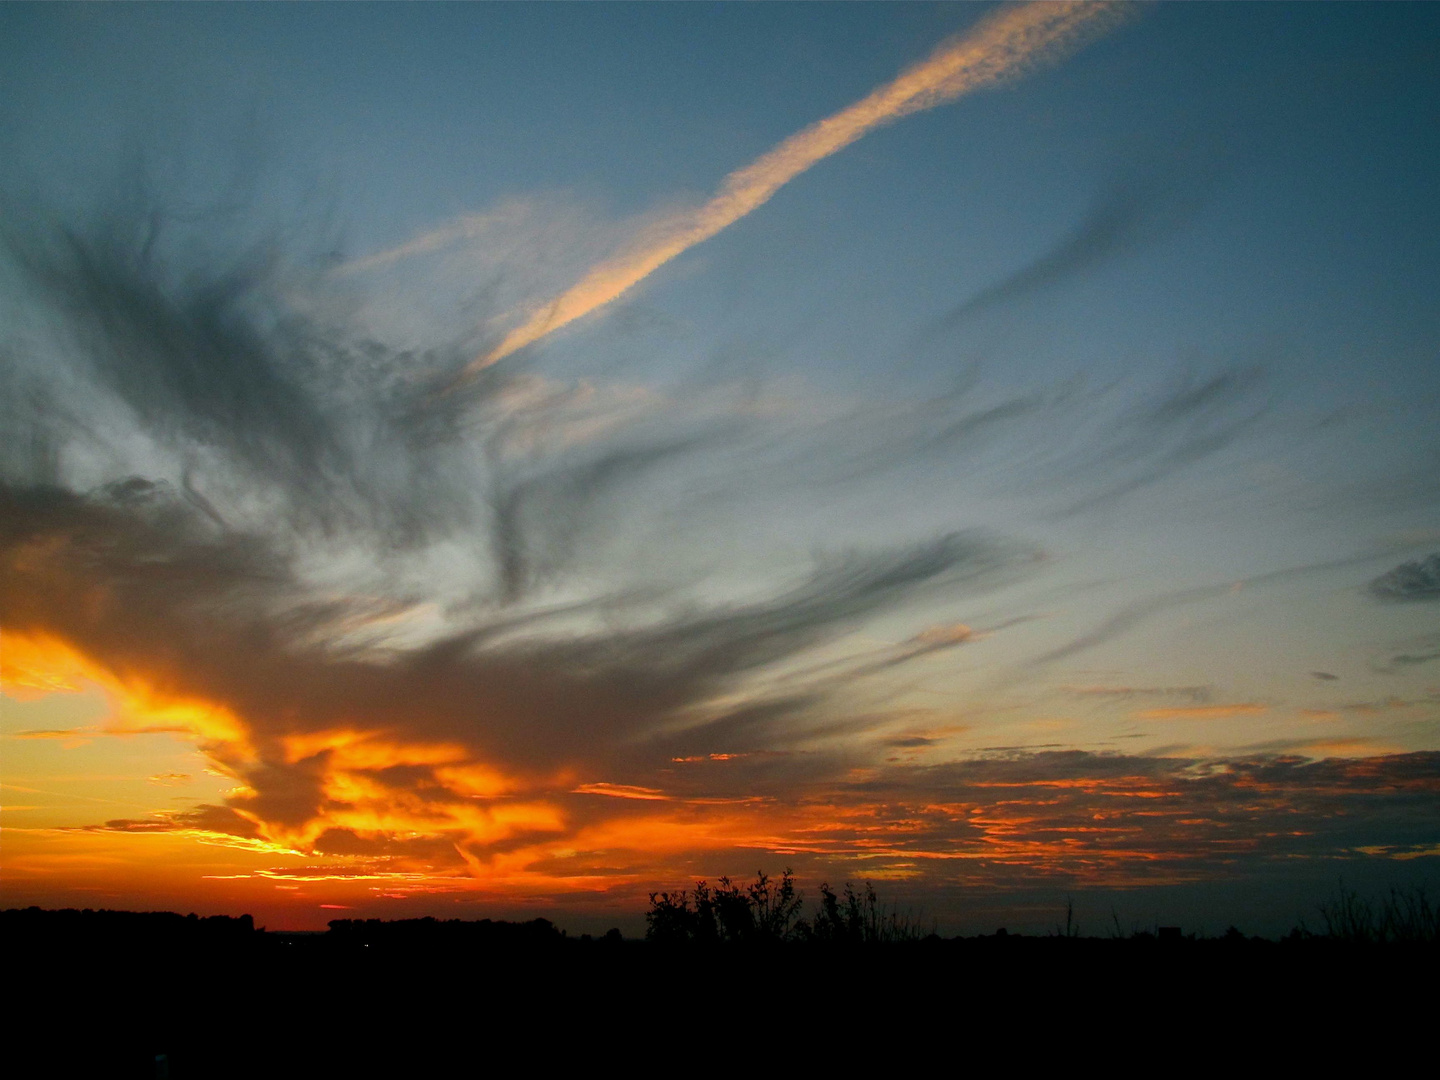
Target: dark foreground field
x,y
118,994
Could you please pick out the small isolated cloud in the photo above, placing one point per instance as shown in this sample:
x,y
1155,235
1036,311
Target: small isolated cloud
x,y
912,742
622,791
1373,708
1413,659
931,640
1410,581
1204,712
940,636
170,779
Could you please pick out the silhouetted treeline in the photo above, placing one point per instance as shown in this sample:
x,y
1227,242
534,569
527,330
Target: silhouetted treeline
x,y
19,925
764,911
727,967
449,933
22,927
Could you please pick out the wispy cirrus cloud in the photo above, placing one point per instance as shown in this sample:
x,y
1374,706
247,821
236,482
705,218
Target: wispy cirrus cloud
x,y
479,630
1197,694
388,622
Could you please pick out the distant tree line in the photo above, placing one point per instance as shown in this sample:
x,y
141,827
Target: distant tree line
x,y
758,912
451,933
21,924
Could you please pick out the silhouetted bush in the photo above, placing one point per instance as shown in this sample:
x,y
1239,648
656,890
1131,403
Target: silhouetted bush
x,y
727,912
858,918
766,912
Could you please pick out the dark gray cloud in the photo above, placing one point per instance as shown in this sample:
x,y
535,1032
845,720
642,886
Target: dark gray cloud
x,y
206,816
197,361
138,577
911,742
1197,694
537,517
197,422
1409,581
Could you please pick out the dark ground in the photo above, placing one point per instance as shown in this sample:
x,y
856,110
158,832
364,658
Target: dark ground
x,y
103,993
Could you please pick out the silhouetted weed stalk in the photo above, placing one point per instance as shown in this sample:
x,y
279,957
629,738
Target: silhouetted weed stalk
x,y
766,911
1071,929
1401,917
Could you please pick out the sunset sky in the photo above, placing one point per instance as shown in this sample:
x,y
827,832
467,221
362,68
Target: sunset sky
x,y
500,460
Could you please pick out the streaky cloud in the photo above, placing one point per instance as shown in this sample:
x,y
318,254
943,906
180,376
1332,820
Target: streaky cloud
x,y
1155,198
390,615
1132,615
1004,45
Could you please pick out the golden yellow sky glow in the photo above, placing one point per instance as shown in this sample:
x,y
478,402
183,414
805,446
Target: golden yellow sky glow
x,y
397,825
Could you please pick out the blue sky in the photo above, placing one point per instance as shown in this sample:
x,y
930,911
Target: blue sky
x,y
1078,415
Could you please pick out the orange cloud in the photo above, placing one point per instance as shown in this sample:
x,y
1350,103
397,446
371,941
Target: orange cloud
x,y
621,791
360,750
37,664
943,635
474,781
400,815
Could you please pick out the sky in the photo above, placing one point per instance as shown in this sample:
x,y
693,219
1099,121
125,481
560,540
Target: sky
x,y
500,460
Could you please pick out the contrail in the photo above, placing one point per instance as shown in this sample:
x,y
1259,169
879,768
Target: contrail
x,y
1002,45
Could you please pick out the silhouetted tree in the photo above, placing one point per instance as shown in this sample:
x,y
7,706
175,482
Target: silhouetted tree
x,y
766,911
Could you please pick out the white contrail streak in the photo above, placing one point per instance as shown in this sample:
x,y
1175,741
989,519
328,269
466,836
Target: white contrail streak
x,y
1002,45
